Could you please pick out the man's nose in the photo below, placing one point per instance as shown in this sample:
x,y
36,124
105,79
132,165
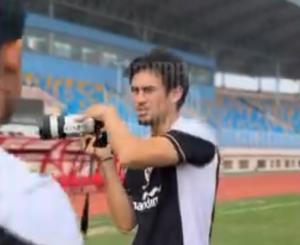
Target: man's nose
x,y
140,97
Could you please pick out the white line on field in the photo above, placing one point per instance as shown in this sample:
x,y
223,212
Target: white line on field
x,y
261,208
247,203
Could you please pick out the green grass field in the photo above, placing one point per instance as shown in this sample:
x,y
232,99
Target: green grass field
x,y
263,221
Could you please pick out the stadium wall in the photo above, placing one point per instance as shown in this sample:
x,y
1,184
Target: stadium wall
x,y
73,83
79,84
254,160
82,32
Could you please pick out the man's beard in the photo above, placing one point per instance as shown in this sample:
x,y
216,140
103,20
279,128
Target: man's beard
x,y
150,122
145,122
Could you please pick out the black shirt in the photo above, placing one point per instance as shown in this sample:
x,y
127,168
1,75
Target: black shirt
x,y
174,205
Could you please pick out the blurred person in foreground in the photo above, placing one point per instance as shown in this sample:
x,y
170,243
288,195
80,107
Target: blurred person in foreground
x,y
33,208
171,177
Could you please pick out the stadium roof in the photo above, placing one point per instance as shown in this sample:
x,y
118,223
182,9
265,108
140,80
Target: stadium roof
x,y
259,37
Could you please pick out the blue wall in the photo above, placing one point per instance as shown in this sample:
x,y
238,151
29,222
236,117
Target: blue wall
x,y
59,67
75,84
77,31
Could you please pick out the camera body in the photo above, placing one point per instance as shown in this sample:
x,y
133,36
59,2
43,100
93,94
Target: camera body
x,y
59,127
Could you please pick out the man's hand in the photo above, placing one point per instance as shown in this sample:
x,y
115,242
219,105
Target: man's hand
x,y
102,154
99,112
119,136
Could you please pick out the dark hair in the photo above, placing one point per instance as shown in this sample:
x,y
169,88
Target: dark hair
x,y
12,18
169,66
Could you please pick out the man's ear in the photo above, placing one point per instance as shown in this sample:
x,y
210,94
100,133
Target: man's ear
x,y
12,55
176,94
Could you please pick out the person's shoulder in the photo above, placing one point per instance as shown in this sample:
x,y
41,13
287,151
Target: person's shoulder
x,y
42,206
196,128
67,230
12,170
43,212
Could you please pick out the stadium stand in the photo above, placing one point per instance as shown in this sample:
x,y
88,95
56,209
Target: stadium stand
x,y
70,67
101,80
65,72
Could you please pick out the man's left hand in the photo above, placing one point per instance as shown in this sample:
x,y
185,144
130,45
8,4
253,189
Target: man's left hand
x,y
99,112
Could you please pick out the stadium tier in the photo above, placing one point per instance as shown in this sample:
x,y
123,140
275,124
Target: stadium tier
x,y
80,66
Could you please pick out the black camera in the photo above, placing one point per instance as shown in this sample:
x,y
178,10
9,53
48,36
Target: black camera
x,y
59,127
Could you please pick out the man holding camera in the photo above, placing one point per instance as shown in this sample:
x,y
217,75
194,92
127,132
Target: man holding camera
x,y
171,178
33,208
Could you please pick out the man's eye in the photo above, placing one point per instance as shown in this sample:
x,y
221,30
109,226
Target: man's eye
x,y
134,90
148,90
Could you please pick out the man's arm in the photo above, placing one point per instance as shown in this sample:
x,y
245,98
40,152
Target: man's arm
x,y
173,148
119,203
